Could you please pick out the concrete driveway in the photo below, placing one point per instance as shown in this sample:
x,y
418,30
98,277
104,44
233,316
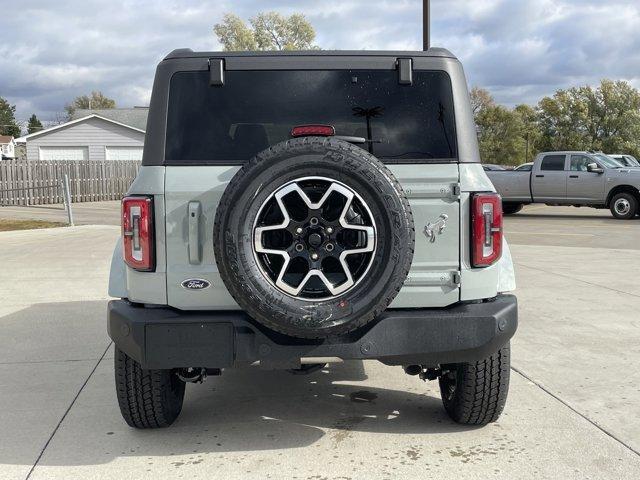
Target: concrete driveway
x,y
85,213
572,410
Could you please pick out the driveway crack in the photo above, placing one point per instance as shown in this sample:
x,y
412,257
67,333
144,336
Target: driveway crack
x,y
55,430
574,410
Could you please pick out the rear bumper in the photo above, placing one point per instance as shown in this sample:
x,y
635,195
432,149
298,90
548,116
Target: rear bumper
x,y
162,338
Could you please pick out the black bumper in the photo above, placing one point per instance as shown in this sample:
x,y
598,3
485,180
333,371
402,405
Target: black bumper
x,y
169,338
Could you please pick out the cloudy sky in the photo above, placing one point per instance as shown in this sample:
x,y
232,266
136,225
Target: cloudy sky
x,y
52,51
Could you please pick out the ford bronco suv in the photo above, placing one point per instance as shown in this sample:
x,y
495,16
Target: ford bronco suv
x,y
295,209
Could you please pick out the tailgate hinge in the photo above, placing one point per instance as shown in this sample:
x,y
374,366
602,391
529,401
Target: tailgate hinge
x,y
216,72
405,71
433,279
433,190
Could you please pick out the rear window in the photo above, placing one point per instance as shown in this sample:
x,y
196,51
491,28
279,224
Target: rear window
x,y
553,162
255,109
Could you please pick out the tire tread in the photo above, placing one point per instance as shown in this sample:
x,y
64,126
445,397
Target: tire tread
x,y
481,391
145,397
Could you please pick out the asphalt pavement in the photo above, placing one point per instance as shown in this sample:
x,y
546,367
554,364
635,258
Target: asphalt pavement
x,y
572,410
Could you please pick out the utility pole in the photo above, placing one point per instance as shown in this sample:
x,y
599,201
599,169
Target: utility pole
x,y
426,34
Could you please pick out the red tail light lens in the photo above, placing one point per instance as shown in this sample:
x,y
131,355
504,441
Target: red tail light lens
x,y
486,229
137,233
307,130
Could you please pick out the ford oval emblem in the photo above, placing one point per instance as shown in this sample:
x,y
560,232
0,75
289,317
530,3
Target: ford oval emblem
x,y
195,284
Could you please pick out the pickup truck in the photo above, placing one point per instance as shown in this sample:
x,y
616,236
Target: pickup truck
x,y
571,178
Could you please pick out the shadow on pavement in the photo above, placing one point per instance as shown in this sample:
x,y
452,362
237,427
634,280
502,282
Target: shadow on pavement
x,y
248,410
243,410
54,332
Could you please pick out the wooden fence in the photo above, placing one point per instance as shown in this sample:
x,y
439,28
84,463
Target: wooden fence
x,y
24,182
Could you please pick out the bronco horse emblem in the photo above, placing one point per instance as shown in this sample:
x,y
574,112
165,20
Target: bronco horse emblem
x,y
436,228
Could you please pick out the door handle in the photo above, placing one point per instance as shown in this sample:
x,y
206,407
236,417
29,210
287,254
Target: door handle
x,y
573,176
194,232
539,176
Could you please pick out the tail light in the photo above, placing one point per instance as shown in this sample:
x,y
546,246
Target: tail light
x,y
486,229
137,233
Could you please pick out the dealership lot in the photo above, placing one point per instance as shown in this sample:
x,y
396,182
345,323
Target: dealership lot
x,y
572,410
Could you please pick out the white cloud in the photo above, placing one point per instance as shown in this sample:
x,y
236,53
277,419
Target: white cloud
x,y
519,49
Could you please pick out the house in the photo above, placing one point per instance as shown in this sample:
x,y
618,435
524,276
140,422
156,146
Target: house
x,y
134,117
7,147
113,134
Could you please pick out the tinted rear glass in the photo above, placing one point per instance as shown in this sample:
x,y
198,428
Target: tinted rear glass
x,y
553,162
255,109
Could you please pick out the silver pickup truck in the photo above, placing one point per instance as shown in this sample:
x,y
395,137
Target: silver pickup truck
x,y
571,178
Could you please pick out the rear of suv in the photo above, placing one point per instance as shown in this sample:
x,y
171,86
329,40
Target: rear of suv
x,y
295,209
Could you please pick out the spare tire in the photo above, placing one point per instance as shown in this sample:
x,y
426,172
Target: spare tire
x,y
314,237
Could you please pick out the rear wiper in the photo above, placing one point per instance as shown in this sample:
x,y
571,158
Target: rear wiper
x,y
349,139
360,140
418,154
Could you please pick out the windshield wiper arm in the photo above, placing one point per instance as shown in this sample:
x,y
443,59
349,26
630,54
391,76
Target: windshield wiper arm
x,y
350,139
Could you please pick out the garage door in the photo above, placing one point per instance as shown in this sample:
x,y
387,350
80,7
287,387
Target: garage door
x,y
64,153
123,153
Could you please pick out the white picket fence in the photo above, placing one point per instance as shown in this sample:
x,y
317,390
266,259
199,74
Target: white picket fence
x,y
24,182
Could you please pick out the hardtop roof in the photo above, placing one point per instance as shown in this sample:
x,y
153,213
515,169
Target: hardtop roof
x,y
432,52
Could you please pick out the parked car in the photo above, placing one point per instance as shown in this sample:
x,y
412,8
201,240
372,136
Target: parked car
x,y
488,167
525,167
274,223
571,178
626,160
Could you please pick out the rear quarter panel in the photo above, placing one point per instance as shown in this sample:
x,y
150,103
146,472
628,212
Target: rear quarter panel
x,y
476,283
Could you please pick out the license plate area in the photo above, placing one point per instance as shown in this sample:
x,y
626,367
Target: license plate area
x,y
182,345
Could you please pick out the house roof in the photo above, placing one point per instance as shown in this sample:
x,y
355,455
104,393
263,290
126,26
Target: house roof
x,y
134,117
5,138
72,122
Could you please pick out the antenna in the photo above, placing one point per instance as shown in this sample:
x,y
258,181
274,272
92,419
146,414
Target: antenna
x,y
426,34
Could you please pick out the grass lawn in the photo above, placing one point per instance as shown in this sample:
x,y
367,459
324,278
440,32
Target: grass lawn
x,y
6,224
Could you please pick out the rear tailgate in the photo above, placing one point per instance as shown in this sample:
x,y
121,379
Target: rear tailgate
x,y
409,123
434,195
192,195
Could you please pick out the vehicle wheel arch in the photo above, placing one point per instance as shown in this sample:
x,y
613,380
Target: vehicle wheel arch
x,y
622,189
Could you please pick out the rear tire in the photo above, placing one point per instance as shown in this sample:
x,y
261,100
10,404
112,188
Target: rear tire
x,y
511,208
147,398
624,206
475,393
